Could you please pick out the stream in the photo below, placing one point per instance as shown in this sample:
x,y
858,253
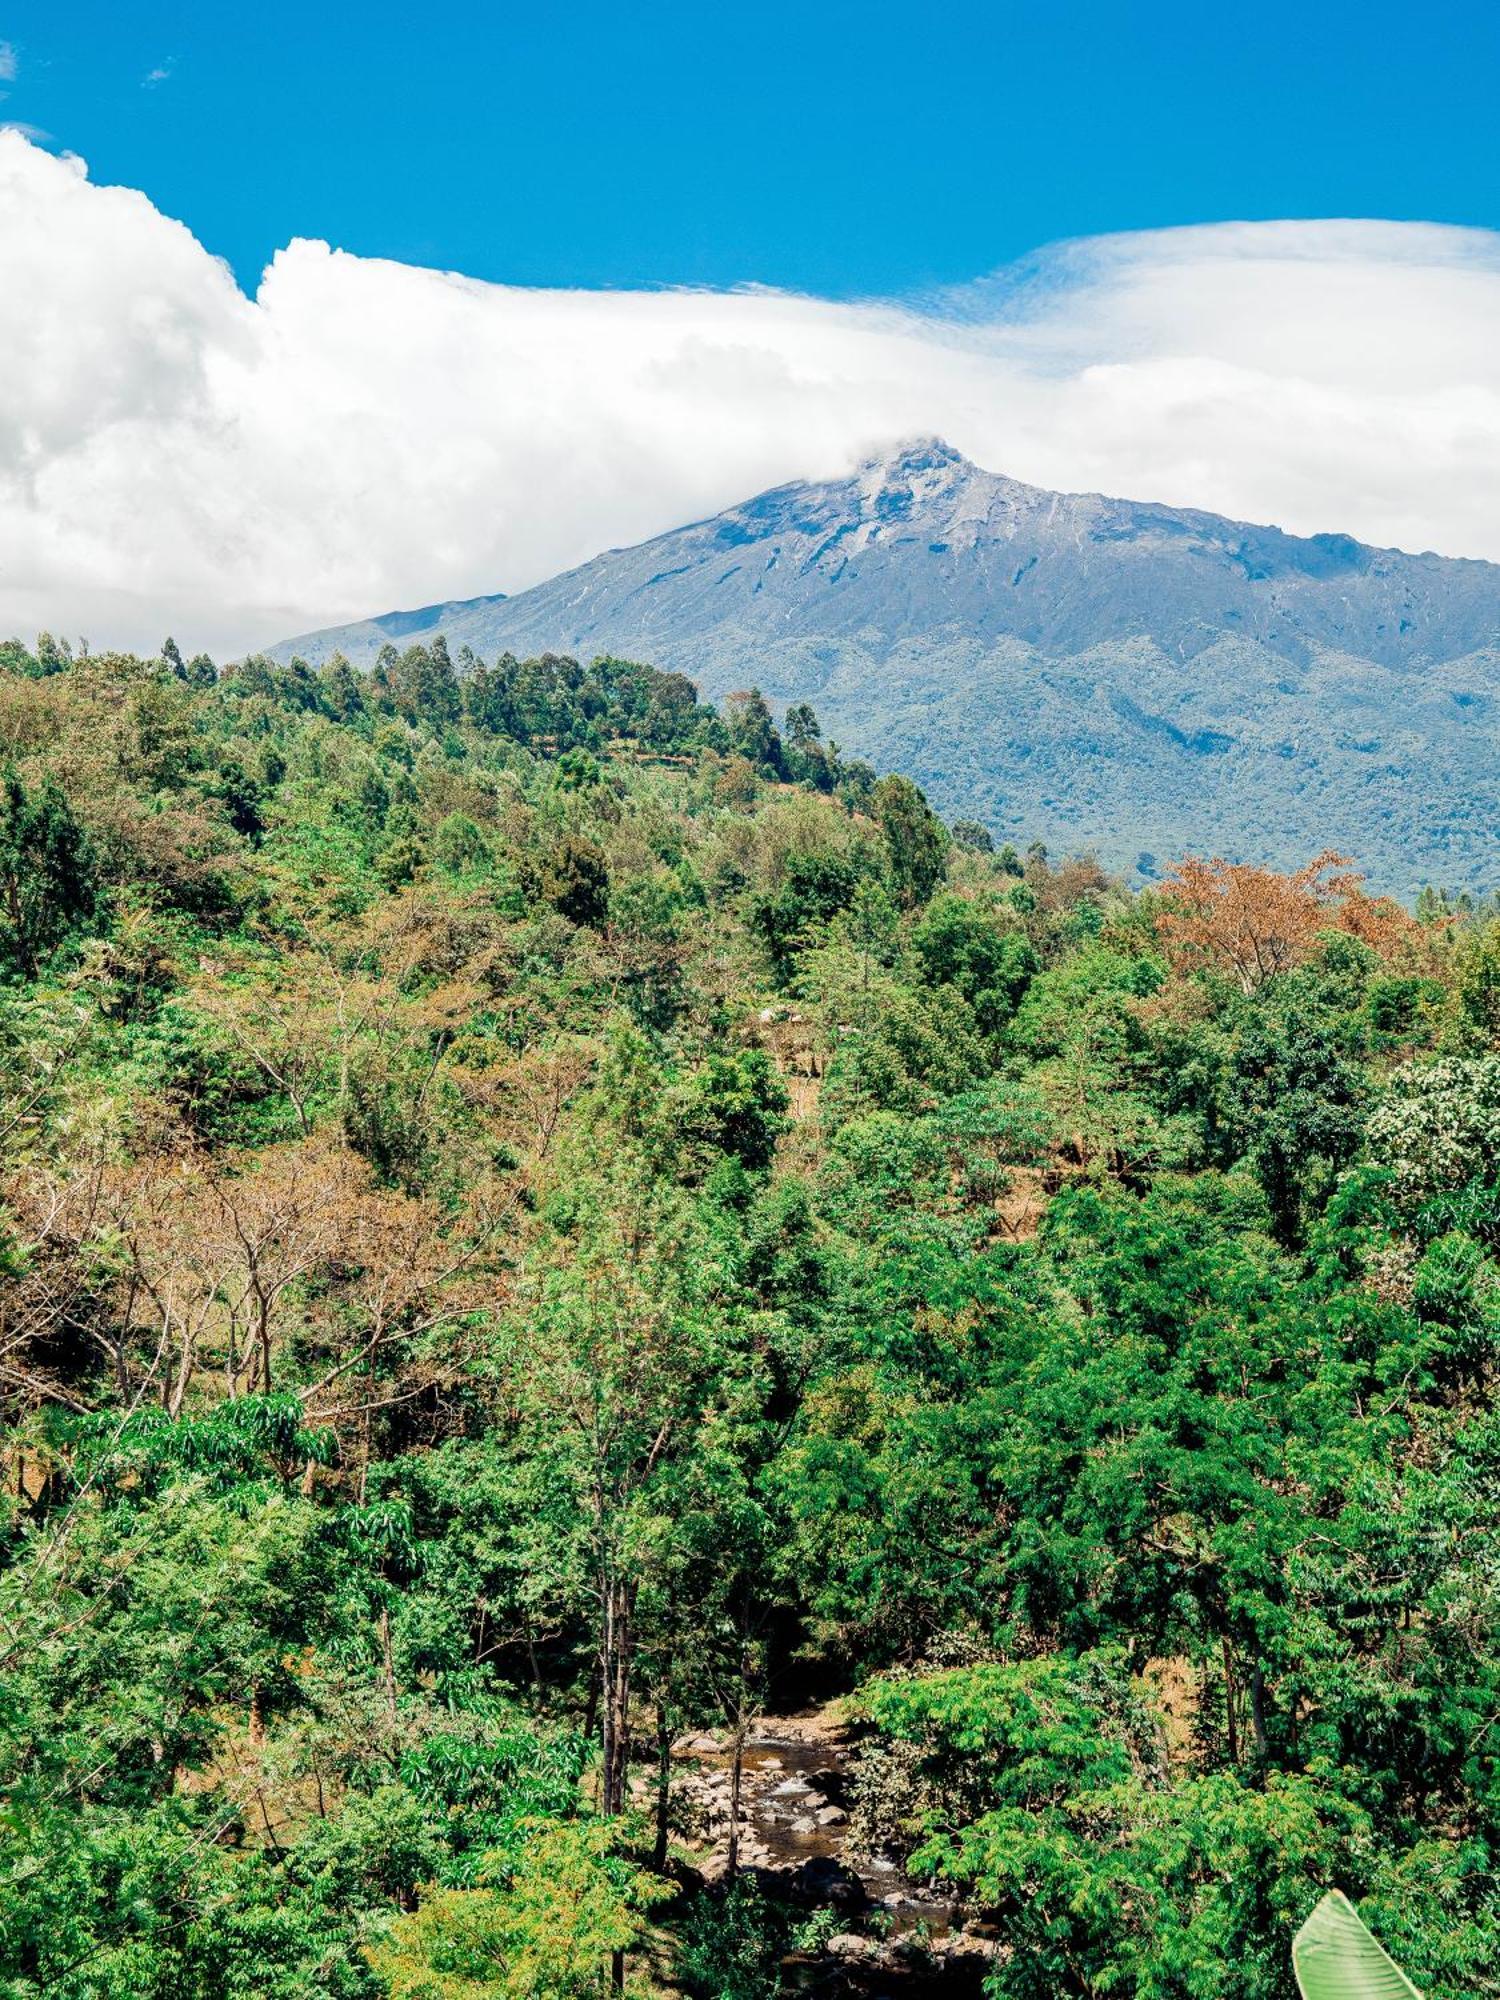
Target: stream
x,y
895,1936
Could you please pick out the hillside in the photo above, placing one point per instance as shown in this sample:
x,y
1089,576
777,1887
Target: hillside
x,y
550,1234
1102,674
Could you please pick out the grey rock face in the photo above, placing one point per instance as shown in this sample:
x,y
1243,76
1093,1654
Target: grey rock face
x,y
1108,674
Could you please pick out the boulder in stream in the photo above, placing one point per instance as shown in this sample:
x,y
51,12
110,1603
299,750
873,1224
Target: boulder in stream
x,y
824,1879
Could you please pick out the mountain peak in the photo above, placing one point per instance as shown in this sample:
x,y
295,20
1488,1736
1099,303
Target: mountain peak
x,y
918,479
916,455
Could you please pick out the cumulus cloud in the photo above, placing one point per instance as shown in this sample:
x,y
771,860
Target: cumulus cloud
x,y
363,434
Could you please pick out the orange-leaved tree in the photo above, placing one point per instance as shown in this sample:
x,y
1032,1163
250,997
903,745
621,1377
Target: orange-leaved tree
x,y
1253,923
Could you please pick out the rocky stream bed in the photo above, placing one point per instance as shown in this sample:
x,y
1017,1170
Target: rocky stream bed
x,y
795,1795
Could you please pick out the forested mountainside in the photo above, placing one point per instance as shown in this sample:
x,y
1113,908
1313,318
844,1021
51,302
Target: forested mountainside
x,y
545,1223
1108,674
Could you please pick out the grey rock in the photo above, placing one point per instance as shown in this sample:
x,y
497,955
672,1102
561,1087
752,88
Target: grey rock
x,y
847,1944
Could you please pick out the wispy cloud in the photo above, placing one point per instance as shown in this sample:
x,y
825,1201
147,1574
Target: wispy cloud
x,y
9,62
19,126
159,75
362,434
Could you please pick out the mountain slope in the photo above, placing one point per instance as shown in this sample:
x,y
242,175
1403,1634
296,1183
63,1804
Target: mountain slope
x,y
1097,673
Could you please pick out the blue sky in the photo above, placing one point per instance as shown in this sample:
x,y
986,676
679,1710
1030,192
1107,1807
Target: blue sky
x,y
234,466
844,150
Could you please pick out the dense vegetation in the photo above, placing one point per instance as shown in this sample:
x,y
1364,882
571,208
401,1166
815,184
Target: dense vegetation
x,y
539,1217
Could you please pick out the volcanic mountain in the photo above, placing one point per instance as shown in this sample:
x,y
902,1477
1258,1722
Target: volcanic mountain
x,y
1113,675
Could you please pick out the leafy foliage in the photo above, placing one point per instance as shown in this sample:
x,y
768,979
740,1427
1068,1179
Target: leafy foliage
x,y
539,1217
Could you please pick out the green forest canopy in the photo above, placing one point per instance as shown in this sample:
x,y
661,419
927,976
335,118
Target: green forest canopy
x,y
538,1212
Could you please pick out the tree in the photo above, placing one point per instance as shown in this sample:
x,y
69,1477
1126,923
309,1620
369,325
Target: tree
x,y
575,881
802,728
915,843
806,757
1297,1098
815,887
734,1105
912,1051
421,684
1479,981
1437,1125
1251,922
343,689
459,845
48,874
544,1921
752,733
615,1365
959,944
52,655
976,838
992,1130
1079,1024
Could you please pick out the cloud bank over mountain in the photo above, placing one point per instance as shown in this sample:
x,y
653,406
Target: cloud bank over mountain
x,y
363,433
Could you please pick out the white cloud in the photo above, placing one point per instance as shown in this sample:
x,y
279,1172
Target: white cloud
x,y
364,435
159,74
8,62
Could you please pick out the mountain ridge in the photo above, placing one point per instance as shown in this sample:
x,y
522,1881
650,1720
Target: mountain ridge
x,y
1104,673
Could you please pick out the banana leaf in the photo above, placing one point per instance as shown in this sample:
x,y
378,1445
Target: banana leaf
x,y
1336,1958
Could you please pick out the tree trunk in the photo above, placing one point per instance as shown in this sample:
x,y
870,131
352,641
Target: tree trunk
x,y
264,1332
663,1786
388,1660
1258,1711
1231,1726
736,1785
607,1701
591,1706
614,1674
536,1672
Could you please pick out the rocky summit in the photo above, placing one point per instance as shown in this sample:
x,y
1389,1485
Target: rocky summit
x,y
1107,675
